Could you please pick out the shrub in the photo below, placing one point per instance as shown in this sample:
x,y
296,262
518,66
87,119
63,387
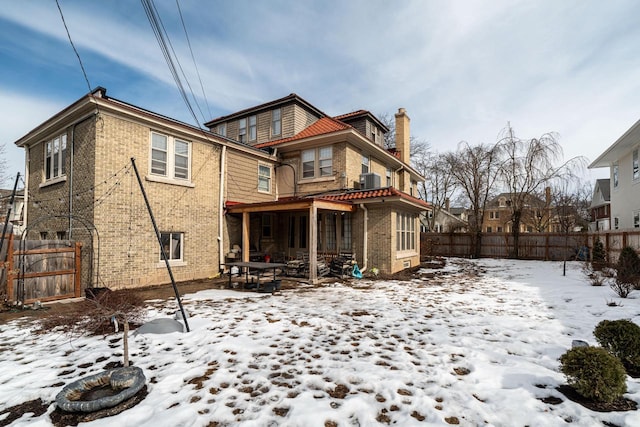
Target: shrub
x,y
622,339
594,373
628,267
598,257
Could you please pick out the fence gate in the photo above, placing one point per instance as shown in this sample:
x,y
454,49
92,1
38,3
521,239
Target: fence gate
x,y
42,270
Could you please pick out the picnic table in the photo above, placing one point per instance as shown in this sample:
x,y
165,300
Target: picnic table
x,y
258,267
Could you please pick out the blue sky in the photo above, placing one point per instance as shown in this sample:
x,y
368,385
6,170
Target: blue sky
x,y
462,69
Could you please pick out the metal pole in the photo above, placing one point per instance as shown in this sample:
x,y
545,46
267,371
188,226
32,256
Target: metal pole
x,y
6,220
164,255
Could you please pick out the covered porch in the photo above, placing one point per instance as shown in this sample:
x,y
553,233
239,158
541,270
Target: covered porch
x,y
282,230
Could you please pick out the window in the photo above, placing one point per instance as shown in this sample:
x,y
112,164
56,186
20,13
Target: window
x,y
242,130
172,244
55,157
636,171
292,231
374,134
615,176
499,230
264,178
488,229
324,165
616,222
330,231
365,163
170,157
222,129
636,219
267,225
276,122
61,235
494,215
388,177
405,232
253,133
345,232
304,230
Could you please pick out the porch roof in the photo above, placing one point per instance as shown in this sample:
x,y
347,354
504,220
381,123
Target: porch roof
x,y
290,204
344,201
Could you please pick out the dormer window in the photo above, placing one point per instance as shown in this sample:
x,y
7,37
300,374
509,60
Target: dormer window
x,y
276,122
253,128
636,170
222,129
242,130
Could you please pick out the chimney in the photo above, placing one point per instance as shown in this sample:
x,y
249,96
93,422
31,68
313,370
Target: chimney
x,y
547,196
446,204
402,134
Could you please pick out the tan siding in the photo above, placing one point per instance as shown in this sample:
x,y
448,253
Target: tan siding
x,y
242,179
302,119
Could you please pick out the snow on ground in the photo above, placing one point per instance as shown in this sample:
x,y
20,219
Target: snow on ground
x,y
477,344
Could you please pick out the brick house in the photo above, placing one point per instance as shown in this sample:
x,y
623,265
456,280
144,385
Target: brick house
x,y
277,178
536,214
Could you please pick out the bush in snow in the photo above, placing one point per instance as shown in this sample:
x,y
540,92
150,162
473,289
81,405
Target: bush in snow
x,y
622,339
598,256
628,267
594,373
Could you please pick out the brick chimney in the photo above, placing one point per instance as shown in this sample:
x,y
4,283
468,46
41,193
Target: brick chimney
x,y
403,135
403,148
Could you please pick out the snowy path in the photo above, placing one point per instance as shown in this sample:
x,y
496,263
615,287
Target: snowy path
x,y
478,344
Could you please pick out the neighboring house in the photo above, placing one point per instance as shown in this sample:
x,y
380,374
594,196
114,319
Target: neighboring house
x,y
624,181
278,178
600,209
447,220
17,209
536,216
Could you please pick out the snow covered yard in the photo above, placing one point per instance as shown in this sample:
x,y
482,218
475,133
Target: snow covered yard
x,y
478,344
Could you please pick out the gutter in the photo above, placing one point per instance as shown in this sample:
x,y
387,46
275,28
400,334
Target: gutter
x,y
223,162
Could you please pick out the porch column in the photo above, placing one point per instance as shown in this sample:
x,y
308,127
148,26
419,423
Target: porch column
x,y
313,244
245,236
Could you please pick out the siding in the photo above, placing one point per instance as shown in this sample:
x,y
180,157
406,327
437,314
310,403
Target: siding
x,y
242,179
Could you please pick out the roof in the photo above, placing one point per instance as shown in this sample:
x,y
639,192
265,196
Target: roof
x,y
605,188
266,106
378,193
322,126
362,113
618,149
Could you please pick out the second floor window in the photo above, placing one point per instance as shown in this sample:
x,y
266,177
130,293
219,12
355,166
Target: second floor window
x,y
222,129
276,122
170,157
264,178
636,219
388,177
242,130
317,162
636,171
253,128
615,176
365,163
55,157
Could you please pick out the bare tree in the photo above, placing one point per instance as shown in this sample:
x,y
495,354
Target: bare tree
x,y
527,166
439,186
418,147
4,176
475,171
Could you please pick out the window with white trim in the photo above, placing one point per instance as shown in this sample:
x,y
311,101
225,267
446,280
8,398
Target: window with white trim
x,y
317,162
616,223
405,232
365,163
222,129
172,244
55,157
264,178
242,130
170,157
615,176
253,128
636,170
388,174
636,219
276,122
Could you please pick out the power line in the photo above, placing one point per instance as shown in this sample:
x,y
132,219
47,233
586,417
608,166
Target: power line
x,y
73,46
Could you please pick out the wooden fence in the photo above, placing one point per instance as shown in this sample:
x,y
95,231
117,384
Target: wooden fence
x,y
41,270
539,246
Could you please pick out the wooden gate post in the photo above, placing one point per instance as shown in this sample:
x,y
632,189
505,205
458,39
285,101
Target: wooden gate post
x,y
78,270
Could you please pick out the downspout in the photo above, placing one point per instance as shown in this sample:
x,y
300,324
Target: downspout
x,y
71,149
365,250
223,162
25,207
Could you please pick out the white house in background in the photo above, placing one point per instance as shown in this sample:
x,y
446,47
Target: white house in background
x,y
623,163
16,219
600,209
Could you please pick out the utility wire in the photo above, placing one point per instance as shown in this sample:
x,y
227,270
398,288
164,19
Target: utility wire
x,y
73,46
204,95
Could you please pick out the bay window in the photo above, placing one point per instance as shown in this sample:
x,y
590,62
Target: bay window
x,y
405,232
